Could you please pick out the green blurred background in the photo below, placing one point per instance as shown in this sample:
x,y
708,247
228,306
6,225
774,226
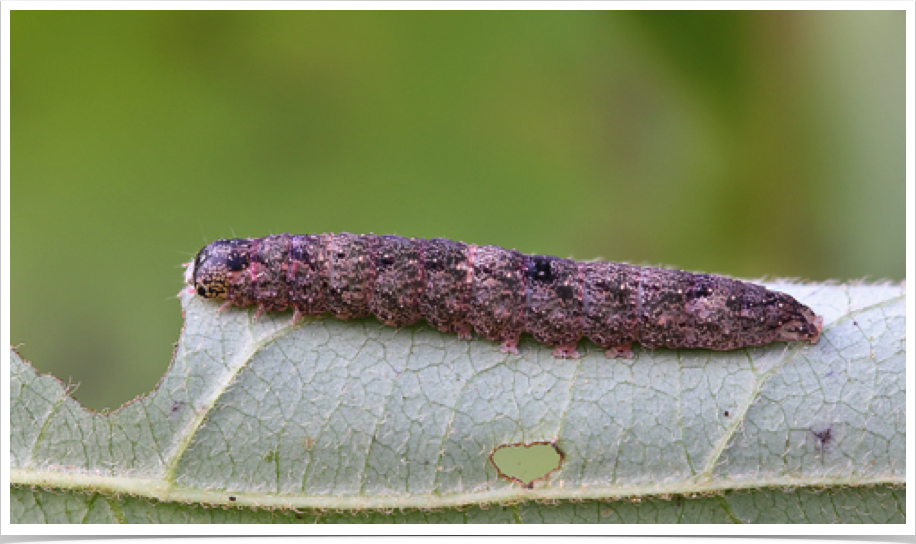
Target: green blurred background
x,y
745,143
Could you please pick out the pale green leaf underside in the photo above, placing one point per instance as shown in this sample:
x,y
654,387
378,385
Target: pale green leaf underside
x,y
357,415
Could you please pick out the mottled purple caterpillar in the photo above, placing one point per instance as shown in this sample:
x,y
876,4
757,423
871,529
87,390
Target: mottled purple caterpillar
x,y
501,293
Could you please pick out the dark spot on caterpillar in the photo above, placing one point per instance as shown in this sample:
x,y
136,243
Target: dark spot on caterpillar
x,y
384,261
703,286
235,261
539,268
299,254
565,292
231,498
500,293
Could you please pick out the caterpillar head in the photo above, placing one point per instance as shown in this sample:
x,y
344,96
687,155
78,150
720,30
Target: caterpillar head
x,y
795,321
210,272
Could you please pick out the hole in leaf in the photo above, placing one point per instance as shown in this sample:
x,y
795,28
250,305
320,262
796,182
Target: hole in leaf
x,y
527,463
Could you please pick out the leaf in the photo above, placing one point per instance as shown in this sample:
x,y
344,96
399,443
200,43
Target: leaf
x,y
349,416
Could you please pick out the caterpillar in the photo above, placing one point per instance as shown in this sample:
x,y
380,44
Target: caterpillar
x,y
500,293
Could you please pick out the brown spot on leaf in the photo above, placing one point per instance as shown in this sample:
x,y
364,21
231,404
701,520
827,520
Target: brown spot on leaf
x,y
824,436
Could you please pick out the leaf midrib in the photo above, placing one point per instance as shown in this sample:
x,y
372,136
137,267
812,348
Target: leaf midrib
x,y
160,490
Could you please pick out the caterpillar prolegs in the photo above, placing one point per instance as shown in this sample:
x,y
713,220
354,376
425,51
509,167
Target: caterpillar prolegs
x,y
498,292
